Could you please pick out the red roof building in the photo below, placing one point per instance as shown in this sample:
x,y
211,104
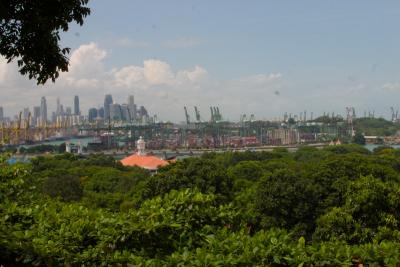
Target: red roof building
x,y
141,159
148,162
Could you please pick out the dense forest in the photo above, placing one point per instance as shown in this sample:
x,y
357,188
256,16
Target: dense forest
x,y
337,206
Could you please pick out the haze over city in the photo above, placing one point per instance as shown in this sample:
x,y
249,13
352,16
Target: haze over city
x,y
263,58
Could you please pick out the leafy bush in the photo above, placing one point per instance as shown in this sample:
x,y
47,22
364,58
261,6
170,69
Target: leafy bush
x,y
67,187
331,207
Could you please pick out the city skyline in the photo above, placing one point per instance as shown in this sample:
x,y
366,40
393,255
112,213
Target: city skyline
x,y
129,109
263,58
126,111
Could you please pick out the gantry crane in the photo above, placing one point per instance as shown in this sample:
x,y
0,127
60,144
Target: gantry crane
x,y
187,116
198,119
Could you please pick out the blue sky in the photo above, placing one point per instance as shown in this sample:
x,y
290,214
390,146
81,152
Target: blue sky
x,y
261,35
322,55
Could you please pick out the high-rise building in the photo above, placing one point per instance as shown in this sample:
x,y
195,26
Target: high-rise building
x,y
26,113
76,106
125,114
143,112
68,111
43,110
131,108
131,100
143,115
115,112
58,108
100,112
107,102
36,115
92,114
54,117
1,114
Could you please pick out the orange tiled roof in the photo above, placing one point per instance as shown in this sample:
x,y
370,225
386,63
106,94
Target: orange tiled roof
x,y
144,161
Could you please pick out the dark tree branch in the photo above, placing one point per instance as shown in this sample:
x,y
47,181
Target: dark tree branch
x,y
30,32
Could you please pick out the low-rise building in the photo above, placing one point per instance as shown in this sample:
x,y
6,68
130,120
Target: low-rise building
x,y
143,160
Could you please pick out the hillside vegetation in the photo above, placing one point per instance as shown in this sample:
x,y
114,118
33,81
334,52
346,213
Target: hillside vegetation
x,y
338,206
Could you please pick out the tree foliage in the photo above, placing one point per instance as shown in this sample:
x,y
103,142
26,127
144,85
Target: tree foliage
x,y
329,207
375,126
30,33
359,139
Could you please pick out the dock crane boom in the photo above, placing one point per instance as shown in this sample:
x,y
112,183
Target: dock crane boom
x,y
187,116
198,119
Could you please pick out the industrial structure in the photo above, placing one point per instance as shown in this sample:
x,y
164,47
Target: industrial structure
x,y
119,126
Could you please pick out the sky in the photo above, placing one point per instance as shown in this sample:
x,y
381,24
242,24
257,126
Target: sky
x,y
256,57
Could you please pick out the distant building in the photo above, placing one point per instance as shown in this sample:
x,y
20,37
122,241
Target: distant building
x,y
131,108
1,114
369,139
68,111
125,116
73,148
54,116
58,107
26,113
76,106
283,136
92,114
115,112
100,113
335,143
43,110
107,102
35,115
143,114
142,159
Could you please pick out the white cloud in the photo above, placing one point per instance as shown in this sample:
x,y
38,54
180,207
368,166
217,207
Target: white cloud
x,y
157,72
128,76
86,61
182,42
192,76
391,87
155,84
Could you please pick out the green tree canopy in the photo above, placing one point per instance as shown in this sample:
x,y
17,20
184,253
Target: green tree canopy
x,y
30,33
359,139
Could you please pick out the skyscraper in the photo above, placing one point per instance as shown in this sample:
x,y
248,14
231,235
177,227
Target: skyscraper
x,y
107,102
92,114
125,114
43,110
36,115
1,114
26,113
100,112
115,111
131,108
76,106
53,117
58,108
